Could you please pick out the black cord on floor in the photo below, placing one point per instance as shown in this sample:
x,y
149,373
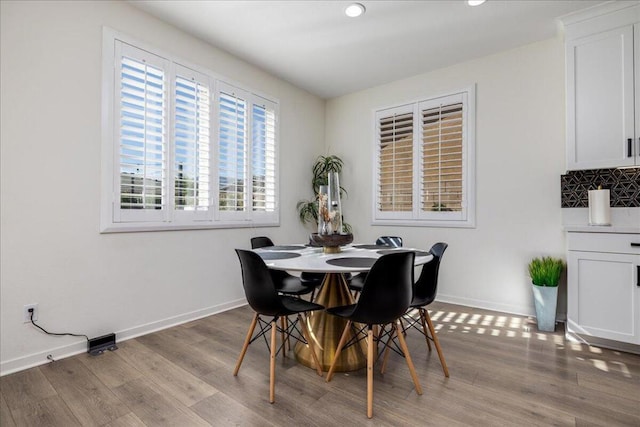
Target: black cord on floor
x,y
53,333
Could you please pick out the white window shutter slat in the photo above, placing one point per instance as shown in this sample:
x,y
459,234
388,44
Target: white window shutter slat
x,y
192,145
181,148
395,131
263,158
232,162
141,129
442,177
424,162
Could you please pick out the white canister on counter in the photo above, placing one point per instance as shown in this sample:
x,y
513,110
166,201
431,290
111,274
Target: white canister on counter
x,y
599,207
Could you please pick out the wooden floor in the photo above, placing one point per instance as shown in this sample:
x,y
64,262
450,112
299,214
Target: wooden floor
x,y
503,372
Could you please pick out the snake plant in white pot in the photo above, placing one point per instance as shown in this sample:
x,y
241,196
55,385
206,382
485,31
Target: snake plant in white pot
x,y
545,274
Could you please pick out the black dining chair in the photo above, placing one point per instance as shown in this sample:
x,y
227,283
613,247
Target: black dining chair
x,y
424,293
287,283
357,281
393,241
307,278
261,242
265,300
385,297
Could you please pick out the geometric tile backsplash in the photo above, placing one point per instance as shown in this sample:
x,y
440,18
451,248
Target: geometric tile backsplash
x,y
623,185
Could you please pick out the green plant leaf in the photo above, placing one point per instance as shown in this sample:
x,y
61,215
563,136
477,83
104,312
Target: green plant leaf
x,y
545,271
308,209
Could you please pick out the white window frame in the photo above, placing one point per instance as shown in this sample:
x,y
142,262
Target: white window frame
x,y
114,219
417,217
251,100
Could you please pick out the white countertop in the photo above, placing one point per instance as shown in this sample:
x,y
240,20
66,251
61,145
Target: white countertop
x,y
623,220
581,228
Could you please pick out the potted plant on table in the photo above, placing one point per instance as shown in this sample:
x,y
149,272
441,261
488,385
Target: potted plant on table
x,y
308,209
545,274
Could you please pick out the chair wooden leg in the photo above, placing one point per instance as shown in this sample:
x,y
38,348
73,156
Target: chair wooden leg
x,y
307,336
247,340
343,340
424,327
404,331
437,343
370,372
272,363
407,356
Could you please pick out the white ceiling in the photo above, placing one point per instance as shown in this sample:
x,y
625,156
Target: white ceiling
x,y
313,45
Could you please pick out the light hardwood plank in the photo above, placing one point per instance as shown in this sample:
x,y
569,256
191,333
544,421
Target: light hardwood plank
x,y
183,353
111,369
179,383
129,420
624,388
6,419
25,386
221,409
182,334
503,372
568,397
154,407
90,400
50,411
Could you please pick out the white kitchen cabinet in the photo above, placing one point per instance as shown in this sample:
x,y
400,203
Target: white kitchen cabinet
x,y
603,297
603,122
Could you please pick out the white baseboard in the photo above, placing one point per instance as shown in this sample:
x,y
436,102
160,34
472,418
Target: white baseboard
x,y
40,358
601,342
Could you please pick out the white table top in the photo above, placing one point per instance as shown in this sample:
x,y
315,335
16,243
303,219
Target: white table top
x,y
312,259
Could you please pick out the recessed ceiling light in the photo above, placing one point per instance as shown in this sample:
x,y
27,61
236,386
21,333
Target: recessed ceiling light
x,y
354,10
475,2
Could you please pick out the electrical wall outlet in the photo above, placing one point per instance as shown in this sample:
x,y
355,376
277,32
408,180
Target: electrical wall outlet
x,y
27,315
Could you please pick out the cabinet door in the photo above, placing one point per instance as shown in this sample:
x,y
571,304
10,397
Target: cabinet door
x,y
603,296
600,100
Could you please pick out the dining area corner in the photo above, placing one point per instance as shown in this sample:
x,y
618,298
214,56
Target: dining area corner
x,y
343,329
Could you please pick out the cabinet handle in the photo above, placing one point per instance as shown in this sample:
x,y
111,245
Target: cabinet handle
x,y
629,147
638,276
635,245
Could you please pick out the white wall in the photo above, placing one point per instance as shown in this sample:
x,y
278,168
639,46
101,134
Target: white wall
x,y
52,252
520,157
53,255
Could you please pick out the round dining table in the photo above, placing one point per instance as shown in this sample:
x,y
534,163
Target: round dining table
x,y
327,329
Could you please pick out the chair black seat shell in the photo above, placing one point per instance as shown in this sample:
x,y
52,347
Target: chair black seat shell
x,y
357,281
265,300
285,282
424,293
385,297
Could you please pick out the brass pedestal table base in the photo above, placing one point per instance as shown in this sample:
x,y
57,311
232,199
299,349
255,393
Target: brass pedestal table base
x,y
326,330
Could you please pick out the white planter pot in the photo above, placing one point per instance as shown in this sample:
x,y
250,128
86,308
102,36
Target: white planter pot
x,y
545,299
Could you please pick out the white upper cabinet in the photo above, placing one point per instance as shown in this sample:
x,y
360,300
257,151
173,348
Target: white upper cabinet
x,y
603,108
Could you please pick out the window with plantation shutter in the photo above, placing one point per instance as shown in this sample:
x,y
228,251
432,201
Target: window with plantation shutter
x,y
142,122
263,158
181,148
232,158
247,155
192,150
395,154
425,162
442,177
